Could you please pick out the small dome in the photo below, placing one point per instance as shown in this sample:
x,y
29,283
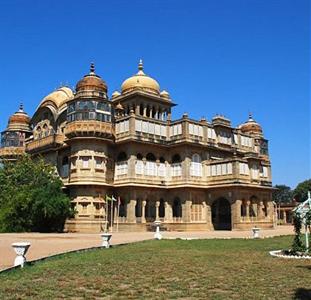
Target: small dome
x,y
251,126
165,94
140,81
19,121
91,82
115,94
58,97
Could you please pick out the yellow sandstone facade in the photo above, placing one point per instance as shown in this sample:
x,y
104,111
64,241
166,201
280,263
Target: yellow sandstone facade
x,y
190,174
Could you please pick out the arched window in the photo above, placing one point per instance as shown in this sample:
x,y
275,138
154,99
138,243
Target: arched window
x,y
45,130
139,164
177,208
176,165
161,209
121,164
196,165
150,167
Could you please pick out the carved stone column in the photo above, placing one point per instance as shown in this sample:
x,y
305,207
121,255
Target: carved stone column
x,y
247,210
143,207
157,206
130,212
259,211
137,110
168,216
204,211
238,204
186,211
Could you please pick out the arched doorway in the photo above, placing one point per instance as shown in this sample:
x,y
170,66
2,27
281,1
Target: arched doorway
x,y
221,214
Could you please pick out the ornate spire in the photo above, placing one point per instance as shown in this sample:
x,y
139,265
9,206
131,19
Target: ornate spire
x,y
250,117
92,69
140,65
21,107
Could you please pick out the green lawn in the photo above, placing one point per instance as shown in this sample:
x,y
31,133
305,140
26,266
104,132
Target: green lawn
x,y
167,269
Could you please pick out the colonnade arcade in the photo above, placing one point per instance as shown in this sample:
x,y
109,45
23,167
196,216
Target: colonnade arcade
x,y
148,110
146,210
218,213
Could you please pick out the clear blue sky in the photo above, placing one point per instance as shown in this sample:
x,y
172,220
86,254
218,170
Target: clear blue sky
x,y
223,56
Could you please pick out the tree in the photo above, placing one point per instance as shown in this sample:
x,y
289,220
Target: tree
x,y
282,194
31,197
301,191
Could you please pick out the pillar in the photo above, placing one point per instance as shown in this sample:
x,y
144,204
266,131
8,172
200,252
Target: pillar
x,y
143,207
204,211
157,206
259,211
284,217
169,115
186,211
168,214
247,210
137,109
238,205
130,211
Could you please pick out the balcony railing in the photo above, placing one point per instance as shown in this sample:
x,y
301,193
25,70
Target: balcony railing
x,y
89,127
54,140
11,151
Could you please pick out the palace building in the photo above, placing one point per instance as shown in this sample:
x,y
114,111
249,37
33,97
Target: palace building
x,y
189,174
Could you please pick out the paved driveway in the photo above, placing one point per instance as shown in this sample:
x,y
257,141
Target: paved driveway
x,y
46,244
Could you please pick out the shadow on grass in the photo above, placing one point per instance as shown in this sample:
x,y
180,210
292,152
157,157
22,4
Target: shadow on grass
x,y
304,267
302,294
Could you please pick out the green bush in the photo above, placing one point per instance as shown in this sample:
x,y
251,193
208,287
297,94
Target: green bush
x,y
31,197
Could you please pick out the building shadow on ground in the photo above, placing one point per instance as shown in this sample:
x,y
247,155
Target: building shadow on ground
x,y
302,294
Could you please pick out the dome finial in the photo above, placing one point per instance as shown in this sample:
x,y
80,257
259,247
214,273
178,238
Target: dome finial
x,y
92,68
250,116
140,65
21,107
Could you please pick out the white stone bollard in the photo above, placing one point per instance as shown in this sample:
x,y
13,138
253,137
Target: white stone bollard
x,y
106,239
20,249
157,235
255,231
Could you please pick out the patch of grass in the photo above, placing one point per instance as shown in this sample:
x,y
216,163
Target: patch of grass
x,y
167,269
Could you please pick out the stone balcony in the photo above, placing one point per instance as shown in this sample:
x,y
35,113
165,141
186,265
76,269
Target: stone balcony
x,y
11,151
48,142
88,128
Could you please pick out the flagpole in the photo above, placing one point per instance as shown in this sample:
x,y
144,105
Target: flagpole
x,y
106,216
118,210
111,213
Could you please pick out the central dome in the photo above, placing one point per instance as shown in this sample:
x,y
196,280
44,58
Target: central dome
x,y
140,81
91,82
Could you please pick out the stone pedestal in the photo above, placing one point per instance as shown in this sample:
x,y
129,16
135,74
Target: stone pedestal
x,y
157,235
106,239
20,249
